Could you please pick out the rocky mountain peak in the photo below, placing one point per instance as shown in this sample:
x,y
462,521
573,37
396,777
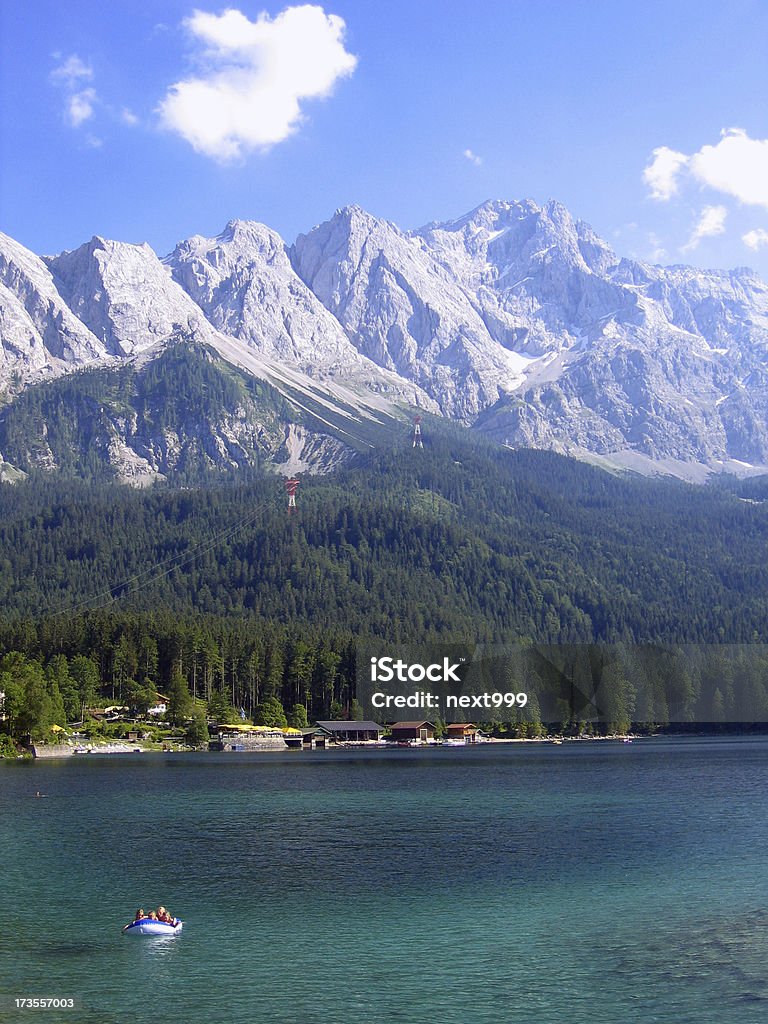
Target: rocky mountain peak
x,y
244,282
516,317
240,241
249,232
38,332
354,215
123,293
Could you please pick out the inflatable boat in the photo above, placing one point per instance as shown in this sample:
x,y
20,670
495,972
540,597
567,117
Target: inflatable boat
x,y
146,926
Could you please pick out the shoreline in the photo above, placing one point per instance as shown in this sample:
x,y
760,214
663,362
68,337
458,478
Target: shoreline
x,y
61,751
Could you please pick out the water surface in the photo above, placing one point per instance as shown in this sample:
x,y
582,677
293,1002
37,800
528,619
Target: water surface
x,y
592,882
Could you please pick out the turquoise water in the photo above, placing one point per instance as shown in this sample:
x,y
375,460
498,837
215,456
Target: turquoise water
x,y
592,883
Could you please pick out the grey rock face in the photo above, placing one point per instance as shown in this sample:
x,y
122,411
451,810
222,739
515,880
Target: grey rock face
x,y
247,288
38,331
125,295
245,284
516,319
403,310
617,356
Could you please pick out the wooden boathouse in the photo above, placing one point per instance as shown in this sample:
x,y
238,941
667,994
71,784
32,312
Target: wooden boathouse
x,y
422,732
350,732
465,731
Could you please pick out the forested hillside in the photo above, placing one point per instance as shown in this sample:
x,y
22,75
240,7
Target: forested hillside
x,y
219,588
185,414
456,539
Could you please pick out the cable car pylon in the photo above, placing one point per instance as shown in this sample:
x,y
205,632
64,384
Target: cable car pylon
x,y
291,487
417,441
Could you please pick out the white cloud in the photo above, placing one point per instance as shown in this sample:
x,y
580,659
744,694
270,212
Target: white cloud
x,y
71,72
736,166
70,75
128,117
473,157
711,222
80,107
256,75
756,238
662,172
657,253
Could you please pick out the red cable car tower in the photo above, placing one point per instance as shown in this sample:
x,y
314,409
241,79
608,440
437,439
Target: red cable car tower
x,y
417,441
291,486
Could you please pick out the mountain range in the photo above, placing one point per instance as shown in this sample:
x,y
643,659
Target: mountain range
x,y
515,320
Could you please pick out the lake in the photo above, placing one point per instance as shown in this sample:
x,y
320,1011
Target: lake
x,y
589,882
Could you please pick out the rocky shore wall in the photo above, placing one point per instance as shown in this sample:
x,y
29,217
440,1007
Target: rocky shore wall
x,y
50,750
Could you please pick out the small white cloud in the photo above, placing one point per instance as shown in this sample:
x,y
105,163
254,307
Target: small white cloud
x,y
756,238
661,174
711,222
257,75
71,72
70,75
657,254
128,117
80,107
473,157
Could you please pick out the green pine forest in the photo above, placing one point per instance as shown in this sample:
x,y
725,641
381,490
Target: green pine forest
x,y
212,593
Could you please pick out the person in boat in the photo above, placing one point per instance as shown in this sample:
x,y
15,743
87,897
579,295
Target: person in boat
x,y
140,916
164,916
151,916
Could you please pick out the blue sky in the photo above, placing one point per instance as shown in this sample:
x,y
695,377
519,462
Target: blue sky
x,y
154,120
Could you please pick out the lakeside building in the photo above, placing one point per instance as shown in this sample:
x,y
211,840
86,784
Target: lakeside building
x,y
160,707
294,738
238,736
112,713
408,732
351,732
461,732
313,738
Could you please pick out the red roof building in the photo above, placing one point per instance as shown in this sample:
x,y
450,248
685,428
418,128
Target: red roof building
x,y
461,731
